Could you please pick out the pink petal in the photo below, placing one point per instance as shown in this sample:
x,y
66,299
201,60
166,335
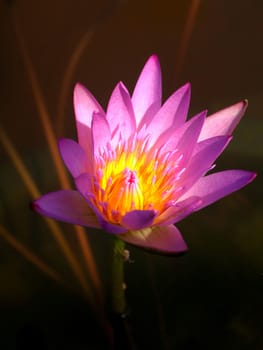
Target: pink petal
x,y
120,115
178,211
74,157
138,219
85,187
202,161
163,239
171,115
68,206
100,130
188,140
224,121
148,89
215,186
85,105
170,142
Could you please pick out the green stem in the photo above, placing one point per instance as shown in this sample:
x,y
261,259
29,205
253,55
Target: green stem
x,y
118,288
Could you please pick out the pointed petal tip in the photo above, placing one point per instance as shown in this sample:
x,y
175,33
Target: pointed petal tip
x,y
77,85
34,206
244,106
185,89
154,58
245,102
147,92
224,121
251,175
213,187
153,65
153,62
122,88
66,206
205,112
37,207
78,88
241,106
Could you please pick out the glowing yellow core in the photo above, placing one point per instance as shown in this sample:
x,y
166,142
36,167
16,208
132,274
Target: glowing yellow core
x,y
134,177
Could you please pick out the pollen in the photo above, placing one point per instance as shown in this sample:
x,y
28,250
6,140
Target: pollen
x,y
133,176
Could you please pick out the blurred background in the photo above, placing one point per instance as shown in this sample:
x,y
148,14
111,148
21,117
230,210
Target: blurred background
x,y
210,298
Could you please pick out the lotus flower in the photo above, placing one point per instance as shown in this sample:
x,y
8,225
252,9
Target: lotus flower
x,y
140,167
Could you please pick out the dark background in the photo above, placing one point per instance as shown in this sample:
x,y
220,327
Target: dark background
x,y
211,298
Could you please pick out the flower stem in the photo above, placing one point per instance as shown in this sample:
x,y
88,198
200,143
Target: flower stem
x,y
122,334
118,294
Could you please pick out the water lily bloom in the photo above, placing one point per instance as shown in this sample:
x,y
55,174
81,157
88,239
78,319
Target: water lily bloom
x,y
140,167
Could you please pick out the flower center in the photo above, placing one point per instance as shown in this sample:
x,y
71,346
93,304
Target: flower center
x,y
133,177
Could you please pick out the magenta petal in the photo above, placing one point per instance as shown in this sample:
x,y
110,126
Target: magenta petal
x,y
202,161
163,239
100,130
148,89
138,219
85,105
218,185
111,228
189,138
74,157
172,114
171,138
224,121
84,186
179,210
120,114
68,206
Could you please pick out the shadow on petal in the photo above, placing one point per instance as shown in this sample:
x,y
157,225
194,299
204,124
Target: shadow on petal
x,y
158,239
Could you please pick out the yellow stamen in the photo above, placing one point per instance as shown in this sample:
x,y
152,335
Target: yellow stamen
x,y
133,177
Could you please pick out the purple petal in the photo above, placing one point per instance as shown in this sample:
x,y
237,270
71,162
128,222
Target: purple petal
x,y
148,89
111,228
163,239
120,115
100,130
224,121
68,206
202,161
138,219
85,105
169,143
171,115
215,186
188,140
74,157
178,211
85,187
